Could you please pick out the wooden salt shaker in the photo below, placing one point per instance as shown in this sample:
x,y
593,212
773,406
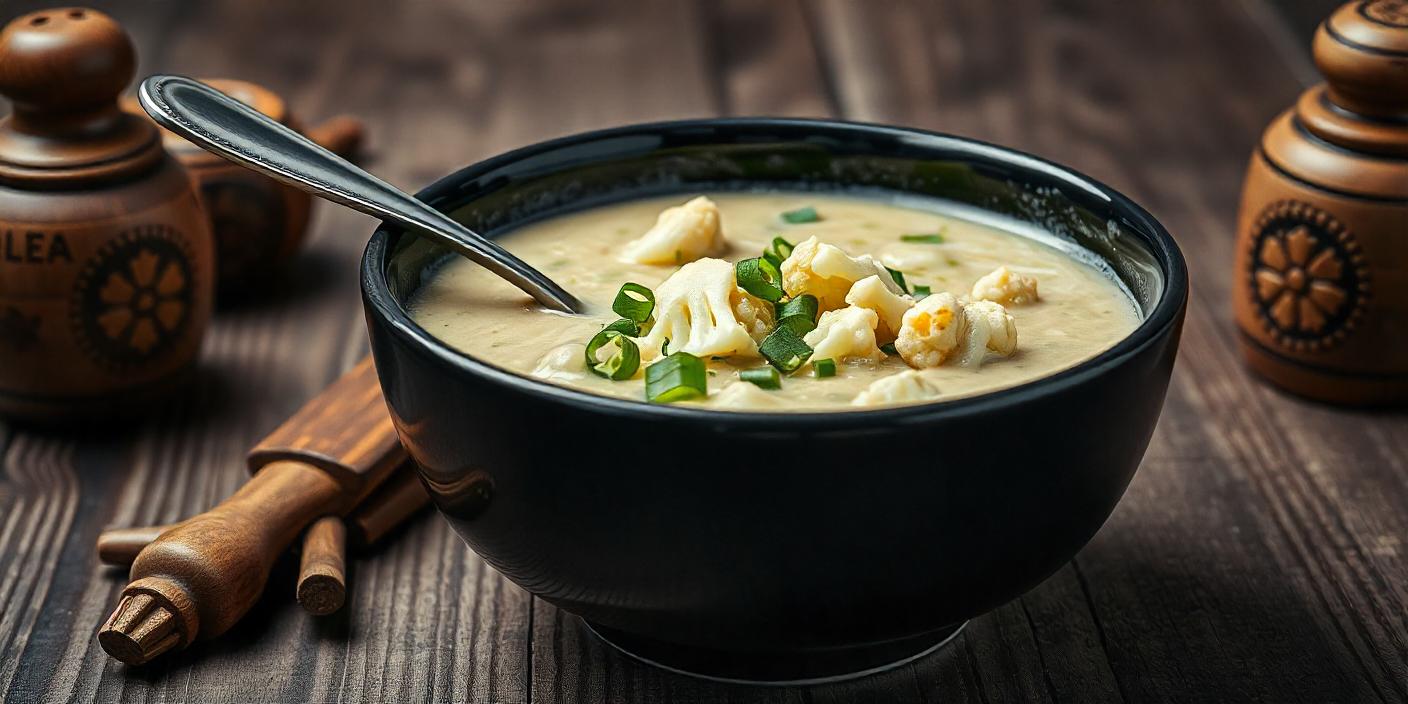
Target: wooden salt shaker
x,y
1321,289
258,223
106,270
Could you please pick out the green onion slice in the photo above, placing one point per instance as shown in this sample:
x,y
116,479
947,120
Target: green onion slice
x,y
898,276
801,215
933,238
824,368
629,328
799,324
763,378
678,377
785,349
888,348
634,302
622,364
759,277
778,251
921,292
804,305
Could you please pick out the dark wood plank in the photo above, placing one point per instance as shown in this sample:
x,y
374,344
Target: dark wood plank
x,y
766,60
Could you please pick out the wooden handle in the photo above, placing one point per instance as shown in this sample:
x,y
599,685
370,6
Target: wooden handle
x,y
396,500
201,576
345,430
198,578
119,546
341,135
399,498
322,574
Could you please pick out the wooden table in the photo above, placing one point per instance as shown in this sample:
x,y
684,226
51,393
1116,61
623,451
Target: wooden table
x,y
1260,554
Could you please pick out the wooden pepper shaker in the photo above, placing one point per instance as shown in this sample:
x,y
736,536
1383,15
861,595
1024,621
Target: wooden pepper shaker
x,y
258,223
1321,288
106,270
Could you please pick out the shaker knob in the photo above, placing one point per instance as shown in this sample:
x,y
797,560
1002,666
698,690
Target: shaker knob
x,y
71,62
64,69
1362,49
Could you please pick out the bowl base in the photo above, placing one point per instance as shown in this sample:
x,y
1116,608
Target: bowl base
x,y
777,669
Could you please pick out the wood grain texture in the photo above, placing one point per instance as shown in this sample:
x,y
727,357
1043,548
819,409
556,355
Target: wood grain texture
x,y
345,430
1258,555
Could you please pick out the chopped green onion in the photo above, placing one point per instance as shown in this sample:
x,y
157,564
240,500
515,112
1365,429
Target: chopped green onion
x,y
799,324
759,277
634,302
665,348
778,251
763,378
805,305
921,292
678,377
923,239
824,368
898,276
620,365
629,328
888,348
801,215
785,349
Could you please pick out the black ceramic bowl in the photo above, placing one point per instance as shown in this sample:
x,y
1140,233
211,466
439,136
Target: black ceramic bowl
x,y
771,546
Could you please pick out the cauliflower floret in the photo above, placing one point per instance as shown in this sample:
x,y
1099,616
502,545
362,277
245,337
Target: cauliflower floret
x,y
562,363
908,385
827,272
741,394
931,331
681,234
846,333
755,313
871,292
988,328
1006,287
694,310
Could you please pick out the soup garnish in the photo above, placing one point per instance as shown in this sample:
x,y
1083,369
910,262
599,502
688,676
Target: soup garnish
x,y
841,302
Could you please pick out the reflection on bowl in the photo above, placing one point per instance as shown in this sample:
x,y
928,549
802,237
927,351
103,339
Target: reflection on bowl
x,y
768,546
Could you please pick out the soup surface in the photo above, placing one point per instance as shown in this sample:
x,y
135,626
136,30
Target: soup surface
x,y
1080,311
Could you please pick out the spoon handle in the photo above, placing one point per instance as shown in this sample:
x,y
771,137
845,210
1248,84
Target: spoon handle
x,y
226,127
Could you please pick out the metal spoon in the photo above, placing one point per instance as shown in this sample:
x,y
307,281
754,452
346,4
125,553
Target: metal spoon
x,y
226,127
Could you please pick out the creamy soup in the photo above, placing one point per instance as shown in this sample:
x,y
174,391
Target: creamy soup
x,y
1019,308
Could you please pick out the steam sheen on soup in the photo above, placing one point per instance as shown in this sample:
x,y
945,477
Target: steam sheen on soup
x,y
783,302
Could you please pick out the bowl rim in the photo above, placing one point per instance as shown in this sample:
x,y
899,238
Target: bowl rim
x,y
1166,313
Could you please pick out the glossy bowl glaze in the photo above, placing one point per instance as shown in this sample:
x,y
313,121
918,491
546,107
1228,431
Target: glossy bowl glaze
x,y
775,546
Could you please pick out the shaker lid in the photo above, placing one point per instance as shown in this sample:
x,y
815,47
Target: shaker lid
x,y
63,69
1350,134
1362,49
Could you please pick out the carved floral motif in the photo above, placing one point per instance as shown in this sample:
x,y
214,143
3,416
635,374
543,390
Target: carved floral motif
x,y
134,297
1308,279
